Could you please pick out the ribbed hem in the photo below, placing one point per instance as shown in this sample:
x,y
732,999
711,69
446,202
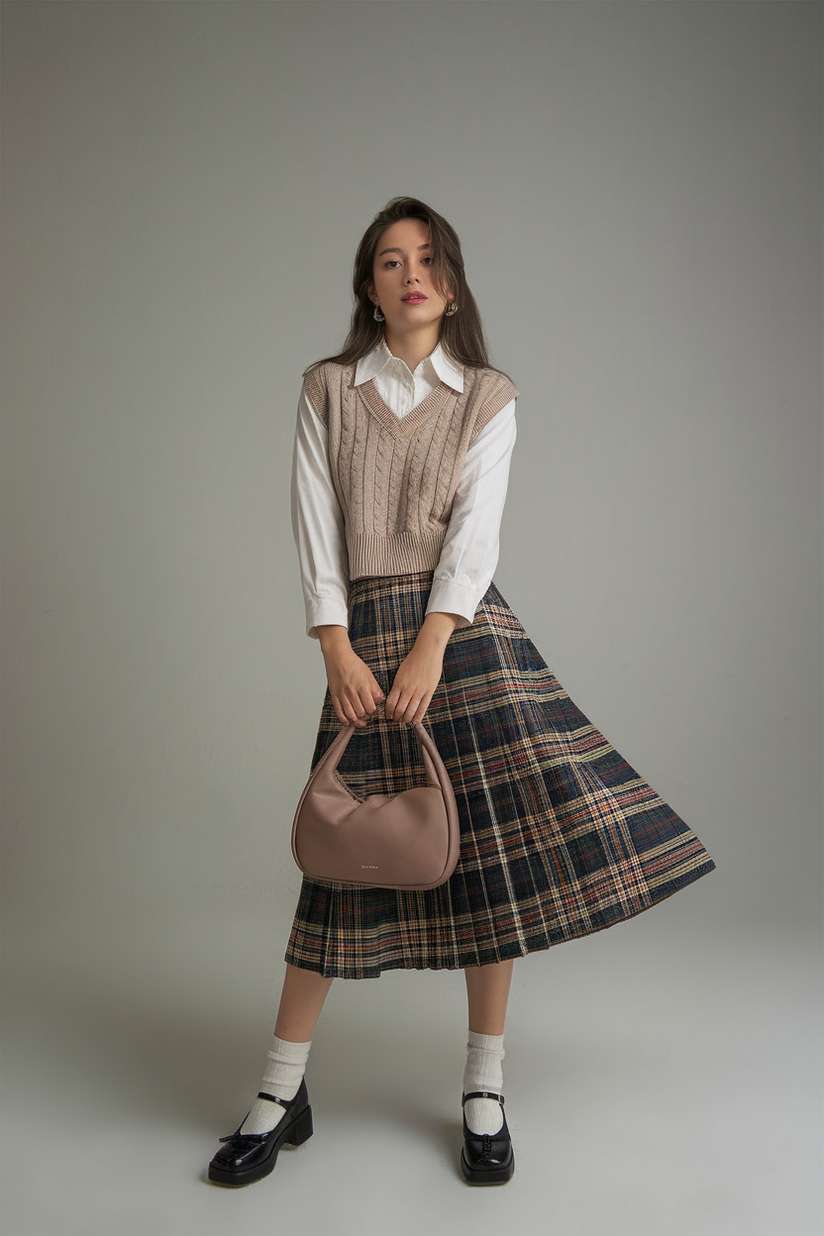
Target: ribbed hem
x,y
485,1042
284,1051
401,554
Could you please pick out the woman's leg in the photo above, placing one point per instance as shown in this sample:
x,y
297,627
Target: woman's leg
x,y
487,993
301,1000
487,990
268,1124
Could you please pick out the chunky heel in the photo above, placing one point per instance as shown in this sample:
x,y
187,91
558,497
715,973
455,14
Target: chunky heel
x,y
301,1130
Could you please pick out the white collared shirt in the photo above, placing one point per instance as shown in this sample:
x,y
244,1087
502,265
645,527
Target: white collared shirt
x,y
469,553
398,387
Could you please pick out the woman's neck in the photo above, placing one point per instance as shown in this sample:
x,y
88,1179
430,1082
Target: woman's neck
x,y
412,347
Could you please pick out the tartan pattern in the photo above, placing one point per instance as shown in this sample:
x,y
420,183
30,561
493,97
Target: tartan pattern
x,y
560,836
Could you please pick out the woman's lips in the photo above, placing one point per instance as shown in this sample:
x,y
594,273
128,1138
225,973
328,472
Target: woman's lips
x,y
413,300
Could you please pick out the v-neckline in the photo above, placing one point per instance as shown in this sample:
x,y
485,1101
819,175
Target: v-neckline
x,y
404,426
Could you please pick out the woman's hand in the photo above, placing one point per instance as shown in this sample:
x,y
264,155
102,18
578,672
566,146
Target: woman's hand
x,y
420,671
354,689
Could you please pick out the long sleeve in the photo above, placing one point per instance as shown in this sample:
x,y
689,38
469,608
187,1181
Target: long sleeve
x,y
318,524
470,550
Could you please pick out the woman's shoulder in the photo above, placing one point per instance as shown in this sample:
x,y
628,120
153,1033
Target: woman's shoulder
x,y
329,363
490,384
323,375
322,369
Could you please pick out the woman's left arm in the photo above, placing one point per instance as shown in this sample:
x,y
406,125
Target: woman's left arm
x,y
468,559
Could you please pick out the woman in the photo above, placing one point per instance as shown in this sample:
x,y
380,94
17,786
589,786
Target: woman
x,y
400,469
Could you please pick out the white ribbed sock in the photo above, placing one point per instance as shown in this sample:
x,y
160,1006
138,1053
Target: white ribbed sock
x,y
284,1073
484,1071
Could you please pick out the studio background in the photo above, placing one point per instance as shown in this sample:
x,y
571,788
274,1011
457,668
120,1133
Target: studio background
x,y
638,191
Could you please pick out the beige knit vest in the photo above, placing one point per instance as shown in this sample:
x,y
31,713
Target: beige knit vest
x,y
396,479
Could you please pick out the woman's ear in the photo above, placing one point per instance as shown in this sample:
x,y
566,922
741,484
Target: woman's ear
x,y
447,292
371,293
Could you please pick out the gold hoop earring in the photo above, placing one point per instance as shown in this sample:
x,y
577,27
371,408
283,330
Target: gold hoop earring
x,y
377,315
450,309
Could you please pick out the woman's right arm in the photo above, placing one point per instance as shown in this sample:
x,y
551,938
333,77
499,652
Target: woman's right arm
x,y
320,538
352,685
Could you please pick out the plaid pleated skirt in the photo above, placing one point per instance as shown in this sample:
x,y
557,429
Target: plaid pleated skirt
x,y
560,836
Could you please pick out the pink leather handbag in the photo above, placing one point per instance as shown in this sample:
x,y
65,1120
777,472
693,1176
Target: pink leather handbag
x,y
408,840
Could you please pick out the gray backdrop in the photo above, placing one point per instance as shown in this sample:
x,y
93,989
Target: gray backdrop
x,y
638,191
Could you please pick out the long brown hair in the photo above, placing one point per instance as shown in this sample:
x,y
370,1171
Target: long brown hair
x,y
461,334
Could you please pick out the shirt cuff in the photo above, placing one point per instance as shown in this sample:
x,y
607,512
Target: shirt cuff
x,y
447,596
325,611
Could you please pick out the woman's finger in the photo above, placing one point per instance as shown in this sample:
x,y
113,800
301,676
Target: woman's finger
x,y
422,707
348,710
357,713
339,712
415,709
405,708
368,703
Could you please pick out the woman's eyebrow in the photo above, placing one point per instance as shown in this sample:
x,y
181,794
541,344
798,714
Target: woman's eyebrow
x,y
426,246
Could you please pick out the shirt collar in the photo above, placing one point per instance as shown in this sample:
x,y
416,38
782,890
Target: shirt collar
x,y
370,366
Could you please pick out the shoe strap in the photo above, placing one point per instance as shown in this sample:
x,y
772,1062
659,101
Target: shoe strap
x,y
274,1099
258,1137
483,1094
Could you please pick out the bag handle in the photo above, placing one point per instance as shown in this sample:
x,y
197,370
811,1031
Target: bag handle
x,y
436,773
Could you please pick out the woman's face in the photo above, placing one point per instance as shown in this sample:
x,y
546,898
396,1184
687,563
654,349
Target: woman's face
x,y
402,278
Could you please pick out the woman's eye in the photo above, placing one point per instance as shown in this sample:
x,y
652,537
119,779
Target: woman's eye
x,y
427,260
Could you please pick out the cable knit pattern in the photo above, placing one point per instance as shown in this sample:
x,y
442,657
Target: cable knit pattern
x,y
396,479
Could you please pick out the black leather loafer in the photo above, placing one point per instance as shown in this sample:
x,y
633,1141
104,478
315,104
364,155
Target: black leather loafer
x,y
485,1158
250,1156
